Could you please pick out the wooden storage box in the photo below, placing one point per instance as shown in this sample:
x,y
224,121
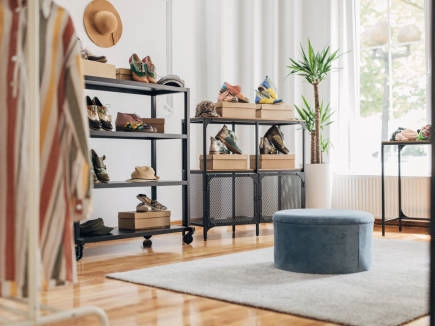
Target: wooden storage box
x,y
275,112
94,68
123,74
132,221
157,123
225,162
236,110
274,161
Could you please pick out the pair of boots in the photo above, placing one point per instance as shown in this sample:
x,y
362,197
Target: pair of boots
x,y
273,141
224,142
266,94
147,204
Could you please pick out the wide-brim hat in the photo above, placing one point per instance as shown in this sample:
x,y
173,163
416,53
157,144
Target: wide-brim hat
x,y
102,23
143,173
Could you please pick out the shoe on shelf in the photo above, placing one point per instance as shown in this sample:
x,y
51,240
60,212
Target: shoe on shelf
x,y
153,204
276,138
266,147
235,91
94,227
142,207
228,138
88,55
94,120
105,118
137,68
100,168
132,122
266,93
216,147
150,69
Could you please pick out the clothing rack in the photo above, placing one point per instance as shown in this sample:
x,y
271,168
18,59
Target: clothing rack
x,y
29,310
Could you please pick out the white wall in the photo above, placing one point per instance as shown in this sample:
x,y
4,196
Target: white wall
x,y
213,41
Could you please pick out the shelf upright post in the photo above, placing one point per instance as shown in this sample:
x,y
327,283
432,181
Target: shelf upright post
x,y
186,157
153,145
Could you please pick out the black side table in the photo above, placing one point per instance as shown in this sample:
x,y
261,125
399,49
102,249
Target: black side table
x,y
400,145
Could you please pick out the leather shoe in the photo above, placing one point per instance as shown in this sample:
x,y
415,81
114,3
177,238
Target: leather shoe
x,y
93,119
100,168
216,147
266,147
105,118
276,138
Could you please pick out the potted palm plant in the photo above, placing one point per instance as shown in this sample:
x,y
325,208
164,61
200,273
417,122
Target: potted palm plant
x,y
314,67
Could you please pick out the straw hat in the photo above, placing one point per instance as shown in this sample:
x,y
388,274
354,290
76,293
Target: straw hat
x,y
102,23
142,173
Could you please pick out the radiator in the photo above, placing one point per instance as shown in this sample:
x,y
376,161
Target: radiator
x,y
364,193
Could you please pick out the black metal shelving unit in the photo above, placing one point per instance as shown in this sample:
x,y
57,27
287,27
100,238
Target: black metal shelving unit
x,y
151,90
258,182
401,215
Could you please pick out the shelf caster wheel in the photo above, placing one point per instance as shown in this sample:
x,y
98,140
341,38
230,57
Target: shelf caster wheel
x,y
79,252
147,243
188,238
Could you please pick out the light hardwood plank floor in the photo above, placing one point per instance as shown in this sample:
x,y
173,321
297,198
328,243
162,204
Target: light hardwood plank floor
x,y
130,304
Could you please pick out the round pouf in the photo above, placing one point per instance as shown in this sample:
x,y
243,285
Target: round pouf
x,y
323,241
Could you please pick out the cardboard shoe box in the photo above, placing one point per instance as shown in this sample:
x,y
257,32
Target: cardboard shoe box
x,y
274,161
132,221
225,162
236,110
275,112
94,68
123,74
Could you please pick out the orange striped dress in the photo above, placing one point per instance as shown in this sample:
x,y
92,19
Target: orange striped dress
x,y
64,160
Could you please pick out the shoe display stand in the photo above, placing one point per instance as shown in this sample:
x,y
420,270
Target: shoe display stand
x,y
151,90
262,192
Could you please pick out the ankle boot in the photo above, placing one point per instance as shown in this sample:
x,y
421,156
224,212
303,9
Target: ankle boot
x,y
216,147
100,168
275,137
266,147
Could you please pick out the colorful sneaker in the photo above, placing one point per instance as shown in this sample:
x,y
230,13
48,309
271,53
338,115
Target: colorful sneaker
x,y
137,68
234,90
216,147
266,93
228,138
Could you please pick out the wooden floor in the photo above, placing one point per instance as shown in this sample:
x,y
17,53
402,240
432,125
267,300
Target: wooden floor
x,y
129,304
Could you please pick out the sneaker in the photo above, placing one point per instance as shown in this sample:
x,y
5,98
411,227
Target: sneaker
x,y
153,204
266,93
216,147
228,138
276,138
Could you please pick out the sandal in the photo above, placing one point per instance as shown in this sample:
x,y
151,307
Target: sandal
x,y
153,204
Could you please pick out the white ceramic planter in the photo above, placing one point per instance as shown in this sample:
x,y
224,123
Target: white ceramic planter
x,y
318,186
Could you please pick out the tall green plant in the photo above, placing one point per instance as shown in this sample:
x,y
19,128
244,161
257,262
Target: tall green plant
x,y
314,67
307,114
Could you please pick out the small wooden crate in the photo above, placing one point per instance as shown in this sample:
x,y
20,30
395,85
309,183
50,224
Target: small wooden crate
x,y
225,162
274,161
123,74
236,110
275,112
94,68
132,221
157,123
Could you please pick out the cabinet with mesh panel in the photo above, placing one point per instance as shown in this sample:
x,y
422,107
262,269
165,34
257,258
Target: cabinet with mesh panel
x,y
234,197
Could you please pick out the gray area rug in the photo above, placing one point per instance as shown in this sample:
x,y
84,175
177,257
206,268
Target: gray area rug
x,y
393,292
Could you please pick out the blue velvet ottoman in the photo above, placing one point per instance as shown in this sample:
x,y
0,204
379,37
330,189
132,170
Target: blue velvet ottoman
x,y
323,241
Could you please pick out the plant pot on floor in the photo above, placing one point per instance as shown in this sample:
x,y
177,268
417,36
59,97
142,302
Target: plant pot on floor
x,y
318,186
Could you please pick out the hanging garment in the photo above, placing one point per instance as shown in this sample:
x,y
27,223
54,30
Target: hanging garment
x,y
64,162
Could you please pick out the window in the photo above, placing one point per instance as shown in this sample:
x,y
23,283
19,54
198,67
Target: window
x,y
393,82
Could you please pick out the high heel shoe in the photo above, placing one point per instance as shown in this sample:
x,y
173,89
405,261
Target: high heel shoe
x,y
94,120
150,69
137,68
105,119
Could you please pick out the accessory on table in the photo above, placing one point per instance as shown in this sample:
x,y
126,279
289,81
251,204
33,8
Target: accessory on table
x,y
102,23
143,173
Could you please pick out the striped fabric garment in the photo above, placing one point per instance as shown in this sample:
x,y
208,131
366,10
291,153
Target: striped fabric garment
x,y
64,161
